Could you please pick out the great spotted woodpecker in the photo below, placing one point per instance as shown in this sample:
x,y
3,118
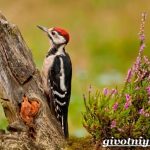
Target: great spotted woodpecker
x,y
57,74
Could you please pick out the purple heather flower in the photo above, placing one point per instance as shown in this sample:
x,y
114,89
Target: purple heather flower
x,y
137,64
128,97
142,37
138,61
105,91
141,111
137,88
146,60
149,102
127,104
148,90
114,91
128,101
113,124
142,47
129,75
115,106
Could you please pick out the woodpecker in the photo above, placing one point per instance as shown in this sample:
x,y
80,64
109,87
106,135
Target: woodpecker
x,y
57,75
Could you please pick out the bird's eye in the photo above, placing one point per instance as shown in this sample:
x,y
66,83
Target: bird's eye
x,y
53,33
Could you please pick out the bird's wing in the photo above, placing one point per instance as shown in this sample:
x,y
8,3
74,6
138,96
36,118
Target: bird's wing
x,y
59,79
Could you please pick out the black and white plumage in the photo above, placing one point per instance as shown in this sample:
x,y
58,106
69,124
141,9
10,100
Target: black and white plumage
x,y
57,74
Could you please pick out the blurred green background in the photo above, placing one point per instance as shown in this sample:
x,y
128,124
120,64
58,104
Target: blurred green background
x,y
104,41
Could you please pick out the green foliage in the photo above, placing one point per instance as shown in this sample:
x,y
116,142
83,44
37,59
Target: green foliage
x,y
3,120
125,113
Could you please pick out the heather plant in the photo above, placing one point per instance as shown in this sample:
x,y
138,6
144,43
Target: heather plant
x,y
122,113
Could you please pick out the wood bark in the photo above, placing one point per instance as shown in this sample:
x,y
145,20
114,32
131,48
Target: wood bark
x,y
19,77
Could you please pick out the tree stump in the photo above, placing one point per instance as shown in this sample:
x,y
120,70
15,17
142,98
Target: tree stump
x,y
31,124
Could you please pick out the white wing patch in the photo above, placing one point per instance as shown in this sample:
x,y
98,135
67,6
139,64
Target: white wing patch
x,y
62,77
62,123
57,109
60,95
60,103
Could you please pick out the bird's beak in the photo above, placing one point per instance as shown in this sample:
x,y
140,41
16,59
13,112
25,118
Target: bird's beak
x,y
43,28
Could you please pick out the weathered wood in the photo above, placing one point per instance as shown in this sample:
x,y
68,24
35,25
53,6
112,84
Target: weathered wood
x,y
18,78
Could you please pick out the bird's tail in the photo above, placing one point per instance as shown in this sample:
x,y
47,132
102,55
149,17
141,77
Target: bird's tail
x,y
61,114
64,123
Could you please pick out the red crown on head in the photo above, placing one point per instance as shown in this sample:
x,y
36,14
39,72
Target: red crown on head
x,y
62,32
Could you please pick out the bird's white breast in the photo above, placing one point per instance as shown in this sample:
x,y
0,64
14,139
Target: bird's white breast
x,y
48,62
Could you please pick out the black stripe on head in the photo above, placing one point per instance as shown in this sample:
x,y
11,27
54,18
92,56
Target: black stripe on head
x,y
52,51
51,39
